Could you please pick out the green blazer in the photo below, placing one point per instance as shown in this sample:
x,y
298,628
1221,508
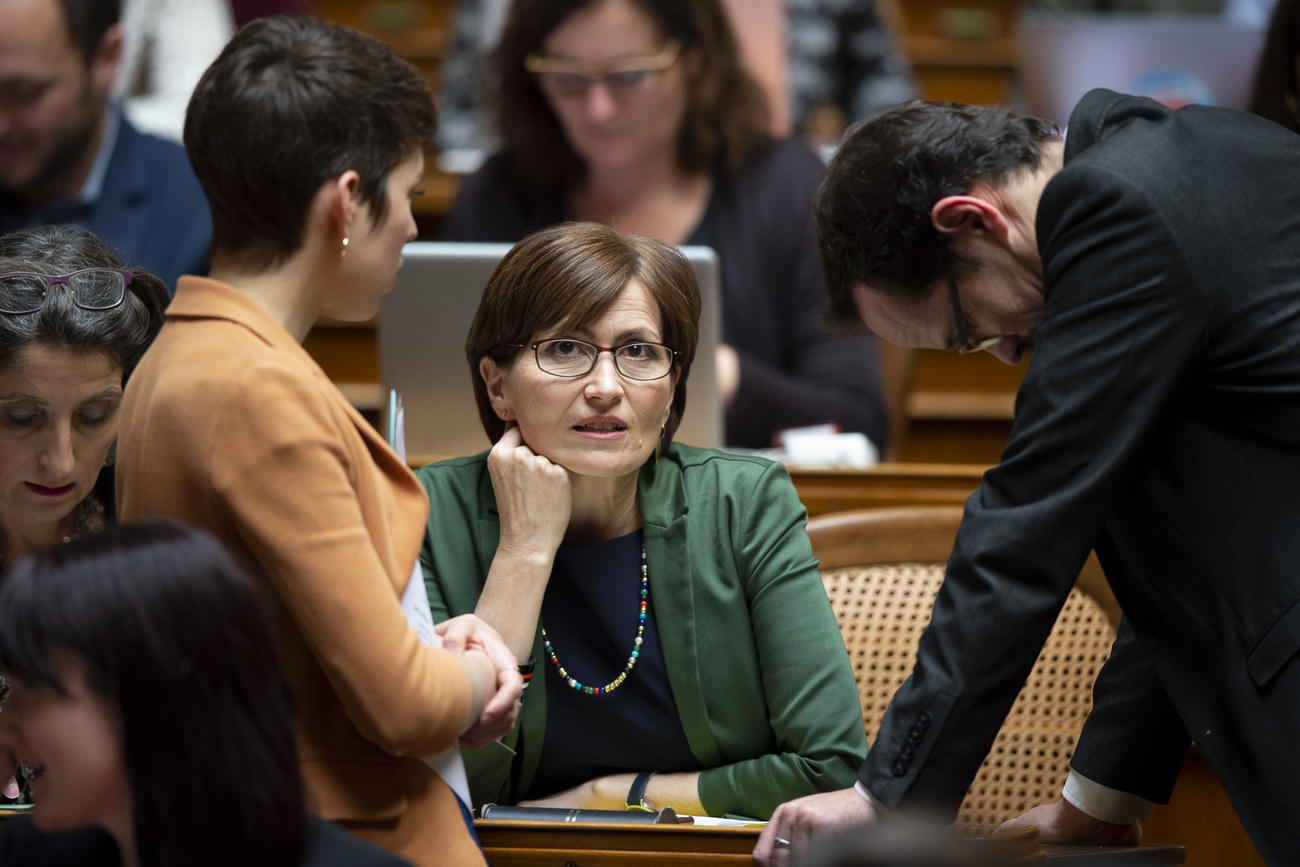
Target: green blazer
x,y
755,660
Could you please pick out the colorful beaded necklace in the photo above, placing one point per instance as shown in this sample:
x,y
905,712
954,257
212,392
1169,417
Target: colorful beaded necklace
x,y
614,684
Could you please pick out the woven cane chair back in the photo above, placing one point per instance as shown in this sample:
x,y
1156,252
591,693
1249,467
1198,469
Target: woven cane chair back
x,y
882,569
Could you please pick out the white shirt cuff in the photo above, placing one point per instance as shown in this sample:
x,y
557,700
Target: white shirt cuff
x,y
871,799
1104,803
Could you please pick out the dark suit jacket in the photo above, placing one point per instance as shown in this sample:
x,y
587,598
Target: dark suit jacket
x,y
793,372
1159,420
22,845
150,209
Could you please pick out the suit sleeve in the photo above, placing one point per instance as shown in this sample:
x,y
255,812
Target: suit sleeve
x,y
1122,331
1133,739
283,479
812,701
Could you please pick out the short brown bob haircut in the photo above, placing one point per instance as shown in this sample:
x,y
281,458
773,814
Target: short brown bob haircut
x,y
291,102
567,276
726,109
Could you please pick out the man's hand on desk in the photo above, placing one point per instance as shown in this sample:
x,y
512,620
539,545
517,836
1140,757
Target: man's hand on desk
x,y
1062,822
799,823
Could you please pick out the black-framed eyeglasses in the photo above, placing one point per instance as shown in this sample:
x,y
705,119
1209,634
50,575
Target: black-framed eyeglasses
x,y
624,78
564,356
965,345
91,288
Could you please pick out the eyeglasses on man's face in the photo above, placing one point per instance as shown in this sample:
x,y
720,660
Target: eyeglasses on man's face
x,y
564,356
625,80
91,288
965,345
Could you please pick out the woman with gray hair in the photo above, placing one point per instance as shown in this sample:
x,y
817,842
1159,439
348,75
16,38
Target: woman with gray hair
x,y
73,324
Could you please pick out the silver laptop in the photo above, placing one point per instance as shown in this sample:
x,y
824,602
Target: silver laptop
x,y
422,329
1177,60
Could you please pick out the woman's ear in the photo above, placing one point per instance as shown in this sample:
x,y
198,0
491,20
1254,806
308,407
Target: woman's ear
x,y
494,377
345,201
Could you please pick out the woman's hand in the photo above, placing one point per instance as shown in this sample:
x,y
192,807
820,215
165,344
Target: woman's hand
x,y
534,500
534,497
494,676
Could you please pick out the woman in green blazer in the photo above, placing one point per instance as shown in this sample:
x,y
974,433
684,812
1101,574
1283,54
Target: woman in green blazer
x,y
686,654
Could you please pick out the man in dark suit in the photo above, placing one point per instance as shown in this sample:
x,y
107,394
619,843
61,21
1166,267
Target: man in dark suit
x,y
68,156
1152,261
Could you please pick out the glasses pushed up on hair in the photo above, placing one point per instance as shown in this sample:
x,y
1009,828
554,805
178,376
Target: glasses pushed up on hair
x,y
567,357
626,79
91,288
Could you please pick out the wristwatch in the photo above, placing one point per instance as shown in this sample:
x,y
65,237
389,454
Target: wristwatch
x,y
636,794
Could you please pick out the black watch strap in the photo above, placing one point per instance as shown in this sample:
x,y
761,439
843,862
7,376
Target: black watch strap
x,y
636,794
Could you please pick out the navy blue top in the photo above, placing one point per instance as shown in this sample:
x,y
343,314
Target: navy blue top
x,y
590,614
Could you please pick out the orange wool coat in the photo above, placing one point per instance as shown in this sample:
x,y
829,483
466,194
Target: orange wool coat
x,y
229,425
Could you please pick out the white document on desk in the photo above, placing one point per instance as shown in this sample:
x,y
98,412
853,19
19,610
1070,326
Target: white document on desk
x,y
415,605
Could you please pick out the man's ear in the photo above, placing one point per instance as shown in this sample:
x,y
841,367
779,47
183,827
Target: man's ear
x,y
106,60
957,215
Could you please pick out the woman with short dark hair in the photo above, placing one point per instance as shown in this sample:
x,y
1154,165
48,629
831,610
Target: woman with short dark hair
x,y
638,114
148,704
308,140
685,652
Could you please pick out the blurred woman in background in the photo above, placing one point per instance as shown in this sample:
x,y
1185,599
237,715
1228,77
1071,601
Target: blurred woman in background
x,y
638,114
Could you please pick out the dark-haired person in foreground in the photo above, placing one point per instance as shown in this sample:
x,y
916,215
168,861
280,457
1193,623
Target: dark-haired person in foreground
x,y
147,700
69,156
1152,261
308,139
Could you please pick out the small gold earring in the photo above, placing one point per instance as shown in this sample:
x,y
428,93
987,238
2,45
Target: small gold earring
x,y
344,254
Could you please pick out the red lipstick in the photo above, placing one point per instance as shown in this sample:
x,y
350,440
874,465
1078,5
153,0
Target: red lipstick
x,y
43,491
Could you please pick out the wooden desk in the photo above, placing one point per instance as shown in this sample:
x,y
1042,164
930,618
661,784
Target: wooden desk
x,y
594,844
886,484
597,844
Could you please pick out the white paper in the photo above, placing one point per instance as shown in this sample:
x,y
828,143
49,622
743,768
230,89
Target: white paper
x,y
415,605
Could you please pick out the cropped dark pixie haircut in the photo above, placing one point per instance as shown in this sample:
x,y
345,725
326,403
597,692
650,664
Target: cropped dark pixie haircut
x,y
87,21
124,331
1275,93
567,276
172,637
872,212
291,102
726,109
